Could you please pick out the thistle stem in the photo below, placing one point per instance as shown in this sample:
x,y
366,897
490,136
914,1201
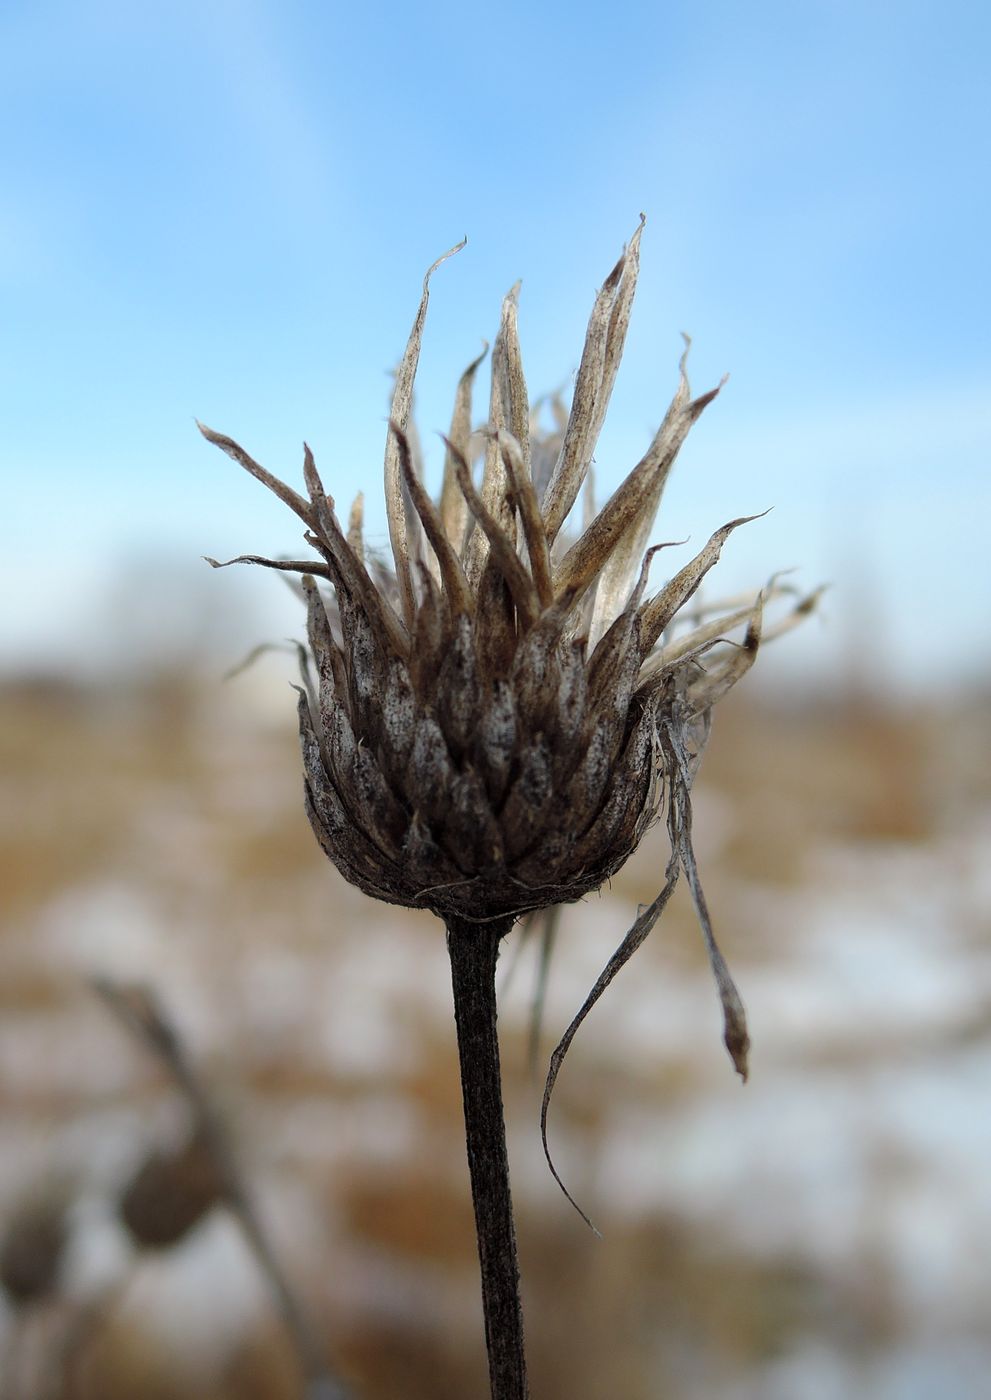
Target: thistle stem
x,y
473,950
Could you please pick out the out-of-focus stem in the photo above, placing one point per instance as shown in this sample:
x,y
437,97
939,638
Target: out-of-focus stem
x,y
139,1010
473,950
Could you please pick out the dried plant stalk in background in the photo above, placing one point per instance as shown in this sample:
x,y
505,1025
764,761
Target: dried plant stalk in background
x,y
498,718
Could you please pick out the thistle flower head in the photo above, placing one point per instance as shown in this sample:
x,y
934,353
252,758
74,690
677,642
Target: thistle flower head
x,y
498,714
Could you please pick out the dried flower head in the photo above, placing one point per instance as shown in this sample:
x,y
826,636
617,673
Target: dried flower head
x,y
500,714
170,1194
33,1245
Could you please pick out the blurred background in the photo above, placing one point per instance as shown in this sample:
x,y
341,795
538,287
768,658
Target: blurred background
x,y
225,211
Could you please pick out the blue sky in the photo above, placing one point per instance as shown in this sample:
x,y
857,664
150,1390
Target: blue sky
x,y
225,210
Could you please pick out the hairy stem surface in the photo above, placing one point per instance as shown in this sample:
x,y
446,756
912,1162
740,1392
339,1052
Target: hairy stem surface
x,y
473,950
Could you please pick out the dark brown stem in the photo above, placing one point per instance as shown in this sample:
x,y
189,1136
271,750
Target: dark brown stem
x,y
473,950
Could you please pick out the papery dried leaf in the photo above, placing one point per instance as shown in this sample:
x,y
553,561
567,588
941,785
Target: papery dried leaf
x,y
619,321
627,789
571,704
584,791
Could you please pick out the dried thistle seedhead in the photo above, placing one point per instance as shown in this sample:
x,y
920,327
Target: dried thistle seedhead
x,y
491,727
170,1193
32,1247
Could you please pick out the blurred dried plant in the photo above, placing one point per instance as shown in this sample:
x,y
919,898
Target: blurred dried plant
x,y
170,1194
33,1245
173,1190
499,716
